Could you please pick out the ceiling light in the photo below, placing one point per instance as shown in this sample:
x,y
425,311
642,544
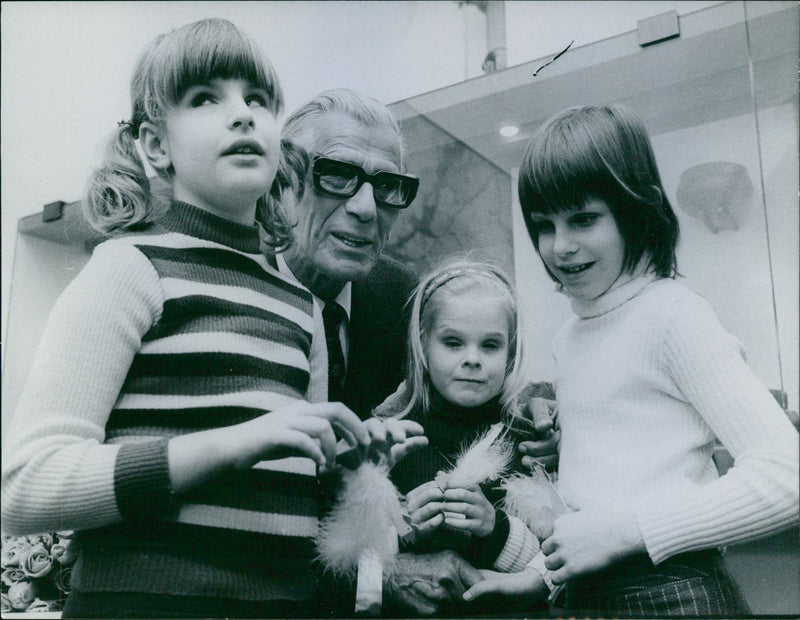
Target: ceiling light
x,y
509,130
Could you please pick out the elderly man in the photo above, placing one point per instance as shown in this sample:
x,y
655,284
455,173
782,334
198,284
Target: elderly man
x,y
351,196
345,203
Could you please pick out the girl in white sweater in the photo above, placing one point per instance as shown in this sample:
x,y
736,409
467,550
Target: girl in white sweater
x,y
647,382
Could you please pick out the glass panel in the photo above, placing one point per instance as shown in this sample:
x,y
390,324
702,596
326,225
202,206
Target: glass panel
x,y
694,94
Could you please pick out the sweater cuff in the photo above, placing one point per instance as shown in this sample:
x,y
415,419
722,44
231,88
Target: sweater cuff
x,y
657,528
141,480
520,548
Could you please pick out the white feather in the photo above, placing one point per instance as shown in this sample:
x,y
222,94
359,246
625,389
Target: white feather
x,y
535,500
365,517
485,459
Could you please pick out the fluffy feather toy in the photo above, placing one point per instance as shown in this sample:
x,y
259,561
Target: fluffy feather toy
x,y
365,520
485,459
534,500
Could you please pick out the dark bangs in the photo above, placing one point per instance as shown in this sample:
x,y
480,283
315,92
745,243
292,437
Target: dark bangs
x,y
203,51
556,175
601,153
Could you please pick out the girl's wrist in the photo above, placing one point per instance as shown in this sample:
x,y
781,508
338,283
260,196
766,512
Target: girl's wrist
x,y
632,539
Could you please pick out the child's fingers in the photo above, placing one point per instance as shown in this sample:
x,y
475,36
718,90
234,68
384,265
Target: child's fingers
x,y
554,561
399,451
319,429
411,428
425,511
350,427
423,494
399,431
395,431
457,494
465,509
459,521
376,429
426,520
303,443
548,546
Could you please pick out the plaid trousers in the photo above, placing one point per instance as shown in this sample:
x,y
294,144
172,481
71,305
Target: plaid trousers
x,y
693,584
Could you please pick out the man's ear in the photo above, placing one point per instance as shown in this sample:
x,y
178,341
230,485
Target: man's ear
x,y
154,146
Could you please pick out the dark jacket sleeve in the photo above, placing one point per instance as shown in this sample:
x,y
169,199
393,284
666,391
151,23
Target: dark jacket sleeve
x,y
379,319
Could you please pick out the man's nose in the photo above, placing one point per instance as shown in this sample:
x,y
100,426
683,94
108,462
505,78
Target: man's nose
x,y
362,204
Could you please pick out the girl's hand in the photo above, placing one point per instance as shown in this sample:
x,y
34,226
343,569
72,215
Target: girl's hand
x,y
425,508
469,510
394,439
299,429
524,584
589,540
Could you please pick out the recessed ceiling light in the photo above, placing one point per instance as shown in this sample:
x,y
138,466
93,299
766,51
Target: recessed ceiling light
x,y
509,130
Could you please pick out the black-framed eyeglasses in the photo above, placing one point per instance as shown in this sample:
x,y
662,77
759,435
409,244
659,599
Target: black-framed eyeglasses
x,y
343,180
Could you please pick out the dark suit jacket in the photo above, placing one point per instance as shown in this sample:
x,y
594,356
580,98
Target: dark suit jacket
x,y
379,316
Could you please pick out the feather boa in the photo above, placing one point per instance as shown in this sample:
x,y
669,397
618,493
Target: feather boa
x,y
365,520
485,459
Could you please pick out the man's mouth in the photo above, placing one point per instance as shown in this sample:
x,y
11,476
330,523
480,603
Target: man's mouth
x,y
244,147
352,241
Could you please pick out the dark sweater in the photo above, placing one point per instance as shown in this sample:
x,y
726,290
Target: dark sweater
x,y
449,428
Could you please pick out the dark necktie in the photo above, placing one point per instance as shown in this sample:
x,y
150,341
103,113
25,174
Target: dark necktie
x,y
333,315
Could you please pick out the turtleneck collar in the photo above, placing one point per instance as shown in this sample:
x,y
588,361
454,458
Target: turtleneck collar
x,y
190,220
449,427
625,288
441,408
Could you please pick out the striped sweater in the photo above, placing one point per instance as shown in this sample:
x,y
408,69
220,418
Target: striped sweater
x,y
178,328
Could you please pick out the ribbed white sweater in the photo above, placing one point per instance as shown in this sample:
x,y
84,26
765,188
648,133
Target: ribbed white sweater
x,y
647,381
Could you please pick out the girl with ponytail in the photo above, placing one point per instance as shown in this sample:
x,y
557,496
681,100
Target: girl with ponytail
x,y
172,379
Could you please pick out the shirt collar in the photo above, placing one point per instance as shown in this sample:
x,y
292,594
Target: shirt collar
x,y
344,298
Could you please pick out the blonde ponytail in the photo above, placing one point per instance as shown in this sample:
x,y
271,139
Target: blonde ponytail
x,y
117,195
272,213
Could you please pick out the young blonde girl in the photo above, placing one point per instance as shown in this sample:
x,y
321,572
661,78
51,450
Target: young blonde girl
x,y
647,382
464,376
174,367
